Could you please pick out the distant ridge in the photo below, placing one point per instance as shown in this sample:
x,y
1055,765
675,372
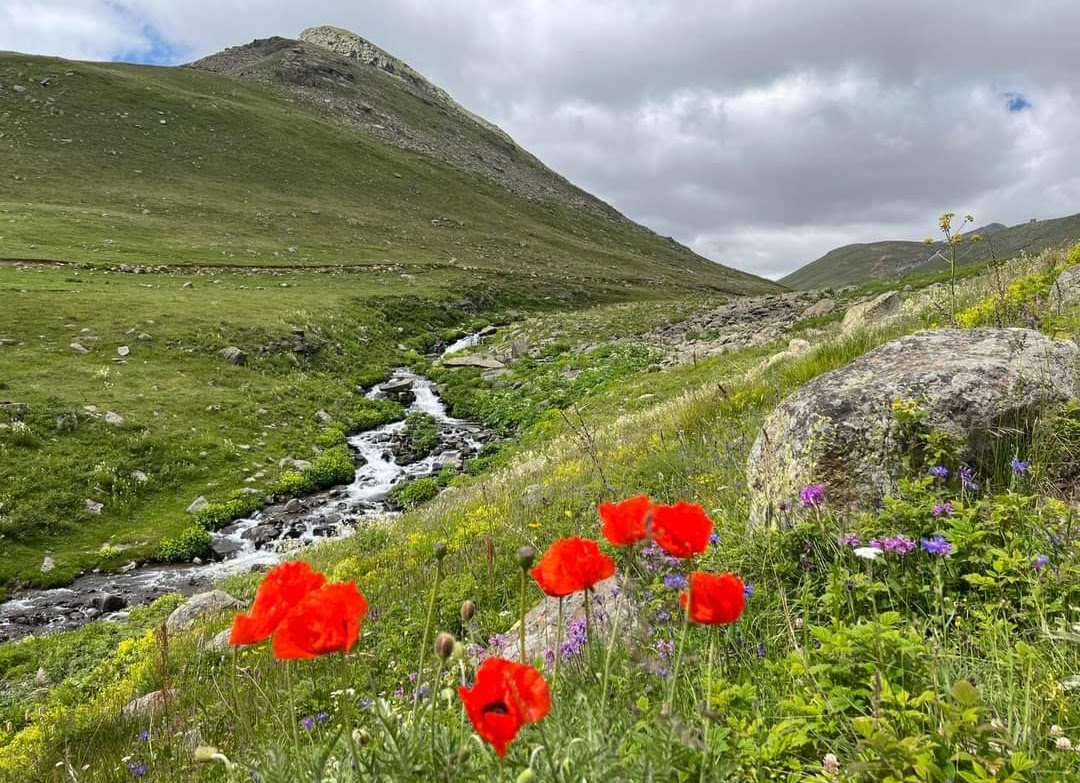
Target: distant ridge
x,y
861,263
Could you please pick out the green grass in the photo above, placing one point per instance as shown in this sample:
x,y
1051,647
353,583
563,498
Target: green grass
x,y
141,165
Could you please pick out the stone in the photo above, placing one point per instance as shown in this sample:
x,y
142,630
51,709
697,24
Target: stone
x,y
838,429
261,535
108,602
139,476
17,410
294,506
93,507
219,642
798,347
187,284
198,607
475,360
114,419
197,504
149,705
79,348
323,417
123,351
222,548
1066,290
47,565
876,312
143,337
233,355
819,308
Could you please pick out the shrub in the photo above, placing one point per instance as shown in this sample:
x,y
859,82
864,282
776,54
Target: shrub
x,y
422,433
332,467
413,493
369,414
191,543
292,482
333,435
213,516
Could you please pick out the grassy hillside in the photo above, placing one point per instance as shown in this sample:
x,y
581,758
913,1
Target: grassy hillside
x,y
862,263
112,163
921,666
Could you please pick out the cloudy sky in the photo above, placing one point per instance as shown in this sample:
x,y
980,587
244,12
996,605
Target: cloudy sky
x,y
760,132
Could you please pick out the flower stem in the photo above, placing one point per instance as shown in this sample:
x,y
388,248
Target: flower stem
x,y
615,627
427,635
682,644
708,701
558,645
521,615
587,598
292,707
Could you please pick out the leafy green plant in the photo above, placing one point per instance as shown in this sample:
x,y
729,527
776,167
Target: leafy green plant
x,y
191,543
410,494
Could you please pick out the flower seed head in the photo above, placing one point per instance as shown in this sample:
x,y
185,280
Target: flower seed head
x,y
444,645
525,557
468,611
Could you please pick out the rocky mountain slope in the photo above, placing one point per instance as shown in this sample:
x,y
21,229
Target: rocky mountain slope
x,y
320,151
861,263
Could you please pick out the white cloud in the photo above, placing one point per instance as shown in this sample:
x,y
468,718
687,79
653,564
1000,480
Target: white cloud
x,y
761,132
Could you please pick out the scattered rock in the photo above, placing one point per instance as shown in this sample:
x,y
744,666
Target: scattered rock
x,y
143,337
1066,290
47,565
261,535
323,417
873,313
93,507
475,360
294,506
108,603
114,419
139,476
233,355
196,504
149,705
819,308
199,606
223,548
187,284
838,429
79,348
123,351
17,410
219,642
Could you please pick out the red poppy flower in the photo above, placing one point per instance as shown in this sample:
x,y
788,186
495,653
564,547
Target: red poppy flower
x,y
625,522
681,530
283,587
572,565
714,600
326,621
506,696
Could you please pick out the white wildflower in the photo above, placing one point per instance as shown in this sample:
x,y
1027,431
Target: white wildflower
x,y
868,552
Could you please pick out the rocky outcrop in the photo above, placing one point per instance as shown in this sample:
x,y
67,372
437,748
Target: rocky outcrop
x,y
838,429
1066,290
876,312
215,602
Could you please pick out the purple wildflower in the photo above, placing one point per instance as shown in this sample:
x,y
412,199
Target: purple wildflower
x,y
663,616
967,478
576,637
366,704
762,650
322,717
412,677
308,723
937,545
1040,562
549,657
944,509
849,539
812,495
1018,467
939,471
675,581
714,539
897,545
144,735
665,648
748,591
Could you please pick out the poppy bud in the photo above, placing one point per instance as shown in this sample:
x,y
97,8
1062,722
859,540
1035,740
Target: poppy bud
x,y
527,776
444,645
440,550
468,611
525,557
459,651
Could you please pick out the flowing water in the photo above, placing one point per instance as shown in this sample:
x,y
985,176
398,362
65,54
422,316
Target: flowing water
x,y
268,535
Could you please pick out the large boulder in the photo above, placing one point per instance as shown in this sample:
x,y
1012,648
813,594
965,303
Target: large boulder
x,y
838,429
873,313
199,607
1066,290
